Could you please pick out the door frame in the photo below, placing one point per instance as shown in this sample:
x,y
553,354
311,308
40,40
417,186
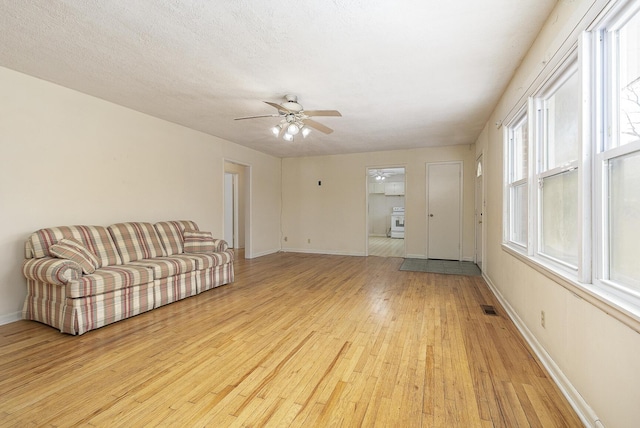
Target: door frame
x,y
460,203
248,212
235,232
482,226
366,205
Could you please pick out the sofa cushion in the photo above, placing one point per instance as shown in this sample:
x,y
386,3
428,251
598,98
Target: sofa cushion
x,y
71,249
170,233
198,242
206,261
95,238
136,241
108,279
164,267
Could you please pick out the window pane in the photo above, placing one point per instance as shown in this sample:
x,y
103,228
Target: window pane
x,y
563,118
559,220
519,214
624,220
519,159
629,115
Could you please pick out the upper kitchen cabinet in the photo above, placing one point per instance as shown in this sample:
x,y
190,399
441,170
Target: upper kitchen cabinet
x,y
394,189
377,188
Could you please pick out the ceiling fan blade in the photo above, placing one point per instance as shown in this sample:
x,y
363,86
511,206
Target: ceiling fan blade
x,y
279,107
322,113
316,125
254,117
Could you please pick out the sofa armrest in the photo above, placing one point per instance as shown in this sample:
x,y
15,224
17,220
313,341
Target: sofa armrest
x,y
51,270
220,245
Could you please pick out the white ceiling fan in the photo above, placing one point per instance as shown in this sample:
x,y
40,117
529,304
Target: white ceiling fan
x,y
383,174
295,119
379,174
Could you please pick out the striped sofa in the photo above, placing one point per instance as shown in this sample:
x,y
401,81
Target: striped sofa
x,y
80,278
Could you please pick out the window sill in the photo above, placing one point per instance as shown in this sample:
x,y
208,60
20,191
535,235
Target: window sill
x,y
619,309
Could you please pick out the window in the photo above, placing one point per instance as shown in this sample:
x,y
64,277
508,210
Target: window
x,y
618,162
628,81
572,165
542,196
517,179
624,219
558,140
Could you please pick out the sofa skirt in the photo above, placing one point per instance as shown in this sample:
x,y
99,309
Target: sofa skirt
x,y
47,303
174,288
215,277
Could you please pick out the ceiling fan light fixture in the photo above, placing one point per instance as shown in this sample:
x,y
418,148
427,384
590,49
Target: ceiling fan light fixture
x,y
293,129
305,132
287,137
276,130
379,176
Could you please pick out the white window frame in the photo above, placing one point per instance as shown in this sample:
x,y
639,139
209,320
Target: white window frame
x,y
559,77
607,148
510,185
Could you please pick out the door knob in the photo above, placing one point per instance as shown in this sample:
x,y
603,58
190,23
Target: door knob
x,y
430,215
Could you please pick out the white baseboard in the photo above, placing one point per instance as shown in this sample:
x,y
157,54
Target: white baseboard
x,y
9,318
328,252
423,257
584,411
415,256
261,253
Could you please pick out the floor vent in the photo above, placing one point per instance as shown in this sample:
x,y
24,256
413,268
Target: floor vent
x,y
489,310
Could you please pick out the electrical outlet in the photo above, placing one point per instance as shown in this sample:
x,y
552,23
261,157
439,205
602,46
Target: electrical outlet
x,y
542,320
309,241
285,239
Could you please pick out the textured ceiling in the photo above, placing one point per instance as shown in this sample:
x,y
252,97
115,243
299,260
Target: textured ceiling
x,y
403,73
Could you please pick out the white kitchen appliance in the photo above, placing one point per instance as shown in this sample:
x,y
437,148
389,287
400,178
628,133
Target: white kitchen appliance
x,y
397,222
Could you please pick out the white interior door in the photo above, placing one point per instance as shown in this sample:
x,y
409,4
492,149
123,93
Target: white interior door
x,y
479,211
444,211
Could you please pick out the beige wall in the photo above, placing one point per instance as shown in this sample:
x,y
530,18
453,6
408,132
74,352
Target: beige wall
x,y
595,356
333,216
68,158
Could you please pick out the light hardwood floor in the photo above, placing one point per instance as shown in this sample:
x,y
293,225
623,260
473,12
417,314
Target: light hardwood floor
x,y
299,340
386,247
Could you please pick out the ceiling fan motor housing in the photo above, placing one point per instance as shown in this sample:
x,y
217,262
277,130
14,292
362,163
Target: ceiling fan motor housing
x,y
292,103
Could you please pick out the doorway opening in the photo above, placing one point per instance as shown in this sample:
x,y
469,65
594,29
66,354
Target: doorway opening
x,y
386,211
236,208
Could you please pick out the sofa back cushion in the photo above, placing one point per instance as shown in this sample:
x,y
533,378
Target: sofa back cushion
x,y
172,234
136,241
94,238
196,241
